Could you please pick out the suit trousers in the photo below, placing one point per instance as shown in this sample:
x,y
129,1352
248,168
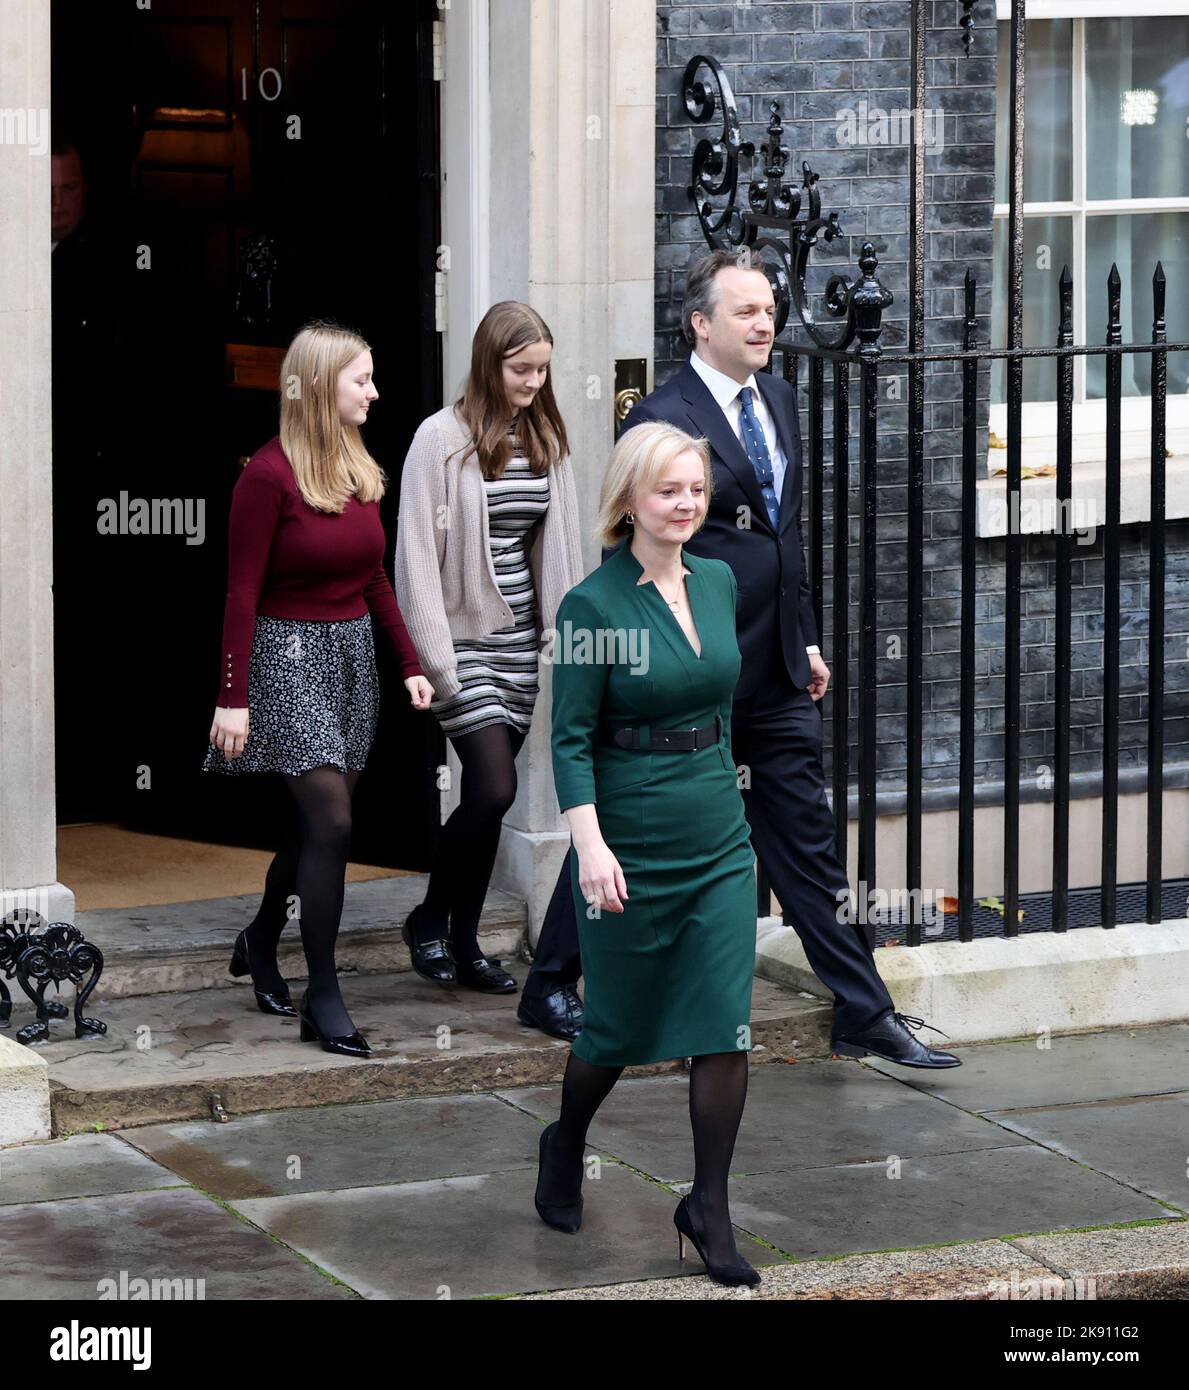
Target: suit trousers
x,y
776,734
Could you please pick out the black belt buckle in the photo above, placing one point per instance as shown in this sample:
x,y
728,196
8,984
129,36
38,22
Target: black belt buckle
x,y
673,740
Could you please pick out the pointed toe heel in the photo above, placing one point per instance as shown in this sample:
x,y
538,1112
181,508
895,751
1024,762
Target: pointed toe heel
x,y
737,1272
275,1002
562,1216
348,1045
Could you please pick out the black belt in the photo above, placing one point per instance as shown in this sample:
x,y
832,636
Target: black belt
x,y
680,740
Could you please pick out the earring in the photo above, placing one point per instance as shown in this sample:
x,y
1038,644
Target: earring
x,y
631,519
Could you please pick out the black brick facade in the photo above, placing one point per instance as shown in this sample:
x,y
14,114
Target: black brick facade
x,y
820,59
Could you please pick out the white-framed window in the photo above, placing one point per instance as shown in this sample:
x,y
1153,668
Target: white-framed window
x,y
1106,180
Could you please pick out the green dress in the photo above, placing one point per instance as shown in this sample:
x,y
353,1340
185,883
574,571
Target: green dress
x,y
671,976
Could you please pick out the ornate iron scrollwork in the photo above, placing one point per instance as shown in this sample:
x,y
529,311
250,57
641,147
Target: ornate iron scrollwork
x,y
967,22
39,956
771,226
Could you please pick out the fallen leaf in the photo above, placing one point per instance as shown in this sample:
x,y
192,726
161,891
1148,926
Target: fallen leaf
x,y
997,906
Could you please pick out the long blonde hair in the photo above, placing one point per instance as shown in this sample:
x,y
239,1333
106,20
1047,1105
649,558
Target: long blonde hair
x,y
328,458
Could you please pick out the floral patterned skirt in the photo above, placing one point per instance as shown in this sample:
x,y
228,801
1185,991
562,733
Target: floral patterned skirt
x,y
313,698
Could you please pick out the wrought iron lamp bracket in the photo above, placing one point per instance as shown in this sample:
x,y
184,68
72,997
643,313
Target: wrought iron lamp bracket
x,y
771,226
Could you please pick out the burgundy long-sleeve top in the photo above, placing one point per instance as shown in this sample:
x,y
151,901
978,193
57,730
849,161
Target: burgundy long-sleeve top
x,y
287,560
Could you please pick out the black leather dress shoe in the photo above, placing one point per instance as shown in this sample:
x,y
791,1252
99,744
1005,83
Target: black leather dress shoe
x,y
559,1014
267,1001
485,976
432,960
889,1038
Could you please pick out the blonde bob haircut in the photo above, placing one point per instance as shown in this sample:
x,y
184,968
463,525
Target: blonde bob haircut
x,y
639,459
329,459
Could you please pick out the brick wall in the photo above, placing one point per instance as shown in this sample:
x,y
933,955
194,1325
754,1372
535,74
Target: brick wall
x,y
821,60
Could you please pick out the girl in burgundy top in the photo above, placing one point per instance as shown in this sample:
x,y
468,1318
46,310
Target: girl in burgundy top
x,y
298,690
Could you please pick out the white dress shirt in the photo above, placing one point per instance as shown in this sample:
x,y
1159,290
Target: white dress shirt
x,y
725,390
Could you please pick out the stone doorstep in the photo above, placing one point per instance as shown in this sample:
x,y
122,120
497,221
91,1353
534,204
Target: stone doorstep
x,y
178,947
1084,980
213,1048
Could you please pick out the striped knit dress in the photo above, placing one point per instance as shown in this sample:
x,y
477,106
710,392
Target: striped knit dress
x,y
498,673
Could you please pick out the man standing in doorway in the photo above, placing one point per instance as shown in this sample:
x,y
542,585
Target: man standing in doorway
x,y
754,524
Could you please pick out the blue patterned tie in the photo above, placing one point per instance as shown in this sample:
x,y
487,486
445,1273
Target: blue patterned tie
x,y
757,451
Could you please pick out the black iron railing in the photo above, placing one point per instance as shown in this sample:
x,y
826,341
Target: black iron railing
x,y
781,241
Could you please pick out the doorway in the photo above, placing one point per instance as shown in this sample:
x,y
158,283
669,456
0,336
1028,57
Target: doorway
x,y
304,132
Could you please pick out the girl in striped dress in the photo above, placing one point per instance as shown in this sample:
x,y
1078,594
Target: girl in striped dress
x,y
498,671
487,545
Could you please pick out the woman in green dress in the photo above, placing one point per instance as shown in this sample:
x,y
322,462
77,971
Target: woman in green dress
x,y
644,666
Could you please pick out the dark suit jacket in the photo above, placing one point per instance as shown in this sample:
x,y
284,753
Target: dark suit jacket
x,y
774,614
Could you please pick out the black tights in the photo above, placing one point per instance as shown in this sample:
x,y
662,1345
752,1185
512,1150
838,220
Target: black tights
x,y
717,1091
465,853
305,880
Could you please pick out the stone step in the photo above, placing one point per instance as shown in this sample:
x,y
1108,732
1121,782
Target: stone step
x,y
211,1052
177,947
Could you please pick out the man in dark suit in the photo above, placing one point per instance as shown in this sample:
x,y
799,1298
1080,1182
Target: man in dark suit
x,y
754,523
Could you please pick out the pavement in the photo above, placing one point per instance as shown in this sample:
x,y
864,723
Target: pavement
x,y
1027,1167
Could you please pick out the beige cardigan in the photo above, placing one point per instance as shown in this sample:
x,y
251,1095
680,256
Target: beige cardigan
x,y
444,575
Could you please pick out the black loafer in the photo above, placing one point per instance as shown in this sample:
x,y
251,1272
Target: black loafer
x,y
559,1014
432,960
486,976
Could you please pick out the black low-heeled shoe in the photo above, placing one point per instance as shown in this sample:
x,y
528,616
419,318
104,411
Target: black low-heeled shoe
x,y
740,1272
267,1001
562,1216
432,960
349,1045
486,976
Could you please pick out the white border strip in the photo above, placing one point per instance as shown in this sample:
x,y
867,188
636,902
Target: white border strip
x,y
1097,9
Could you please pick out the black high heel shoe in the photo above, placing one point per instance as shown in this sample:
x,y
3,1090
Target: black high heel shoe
x,y
267,1001
432,960
562,1216
349,1045
740,1272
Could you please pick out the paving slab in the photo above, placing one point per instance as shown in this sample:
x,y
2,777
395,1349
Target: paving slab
x,y
175,1056
342,1146
807,1115
480,1236
937,1199
62,1250
187,945
1075,1067
1141,1141
86,1165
